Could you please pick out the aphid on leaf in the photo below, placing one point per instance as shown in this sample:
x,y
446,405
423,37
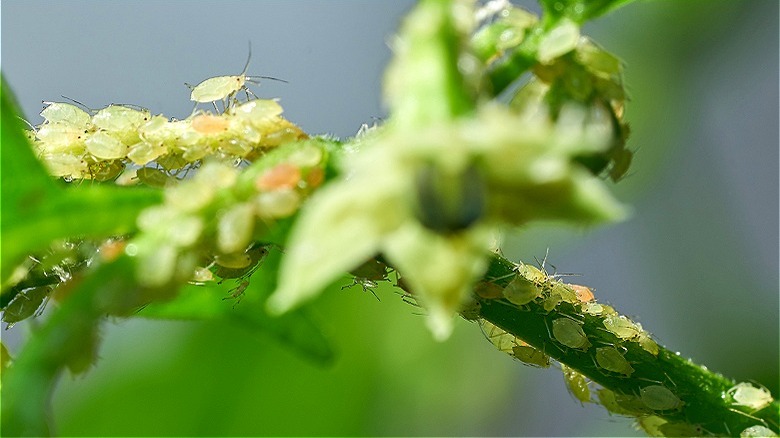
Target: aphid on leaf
x,y
105,170
368,275
569,333
225,88
153,177
610,359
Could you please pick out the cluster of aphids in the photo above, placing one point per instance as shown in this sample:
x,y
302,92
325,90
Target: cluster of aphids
x,y
530,285
128,144
76,143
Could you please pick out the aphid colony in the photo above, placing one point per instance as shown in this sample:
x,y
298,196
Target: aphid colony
x,y
98,145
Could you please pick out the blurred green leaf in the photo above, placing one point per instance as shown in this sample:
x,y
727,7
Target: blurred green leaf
x,y
35,210
217,303
579,11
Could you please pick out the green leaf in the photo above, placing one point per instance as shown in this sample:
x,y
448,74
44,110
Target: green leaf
x,y
216,303
35,210
578,10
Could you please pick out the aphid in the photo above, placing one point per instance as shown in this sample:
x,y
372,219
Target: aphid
x,y
488,290
530,356
659,398
240,265
123,122
499,337
584,294
156,267
569,333
280,177
201,275
235,227
621,327
105,170
757,431
208,124
105,146
647,343
368,275
153,177
224,88
521,291
622,404
28,302
143,152
752,396
610,359
449,203
60,137
576,383
66,113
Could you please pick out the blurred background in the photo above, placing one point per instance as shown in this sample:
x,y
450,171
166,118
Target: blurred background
x,y
697,264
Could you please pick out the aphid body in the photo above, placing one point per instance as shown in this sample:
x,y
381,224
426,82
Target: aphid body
x,y
659,398
610,359
576,383
569,333
747,394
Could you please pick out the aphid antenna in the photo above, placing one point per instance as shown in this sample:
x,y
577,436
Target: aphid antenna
x,y
28,124
255,79
89,110
728,431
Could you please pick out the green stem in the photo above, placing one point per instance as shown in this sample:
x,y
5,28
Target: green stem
x,y
705,406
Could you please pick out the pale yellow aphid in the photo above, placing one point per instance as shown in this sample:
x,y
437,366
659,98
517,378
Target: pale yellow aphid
x,y
530,356
235,226
66,113
621,327
752,396
105,146
757,431
119,118
223,87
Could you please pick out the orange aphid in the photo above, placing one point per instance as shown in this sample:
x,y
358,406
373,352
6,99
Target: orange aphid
x,y
282,176
315,177
209,124
111,249
584,294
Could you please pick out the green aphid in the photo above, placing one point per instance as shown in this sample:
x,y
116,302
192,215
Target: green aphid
x,y
622,404
531,356
521,291
240,265
66,113
105,170
659,398
610,359
499,337
621,327
25,304
576,383
374,270
647,343
566,293
534,274
551,302
569,333
154,177
488,290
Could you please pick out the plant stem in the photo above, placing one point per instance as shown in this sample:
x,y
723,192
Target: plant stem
x,y
706,406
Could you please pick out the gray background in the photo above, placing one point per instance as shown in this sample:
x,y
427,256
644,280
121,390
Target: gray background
x,y
697,263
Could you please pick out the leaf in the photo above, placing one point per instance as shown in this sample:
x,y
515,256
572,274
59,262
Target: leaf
x,y
35,210
579,11
294,329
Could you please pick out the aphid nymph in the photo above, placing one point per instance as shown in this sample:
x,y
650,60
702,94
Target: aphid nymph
x,y
225,88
